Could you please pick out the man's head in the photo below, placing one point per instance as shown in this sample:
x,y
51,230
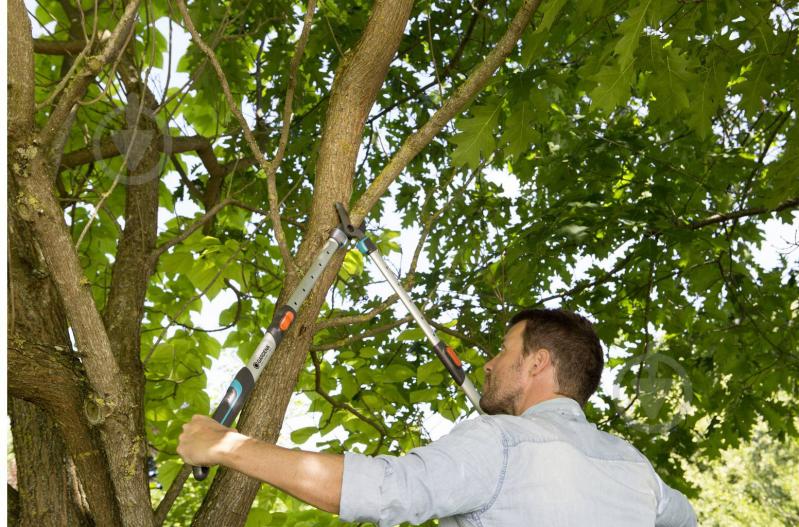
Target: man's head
x,y
545,353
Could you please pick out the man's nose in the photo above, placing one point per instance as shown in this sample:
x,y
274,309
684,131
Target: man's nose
x,y
488,366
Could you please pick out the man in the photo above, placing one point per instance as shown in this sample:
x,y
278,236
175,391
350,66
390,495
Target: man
x,y
534,461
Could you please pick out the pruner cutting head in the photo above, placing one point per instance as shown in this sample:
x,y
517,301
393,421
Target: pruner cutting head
x,y
353,232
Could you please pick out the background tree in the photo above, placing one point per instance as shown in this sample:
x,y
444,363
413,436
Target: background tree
x,y
645,143
753,484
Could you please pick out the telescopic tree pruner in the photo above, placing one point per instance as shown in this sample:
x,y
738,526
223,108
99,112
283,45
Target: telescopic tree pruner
x,y
244,382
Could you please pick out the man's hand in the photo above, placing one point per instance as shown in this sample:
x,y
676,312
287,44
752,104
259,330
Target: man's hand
x,y
205,442
313,477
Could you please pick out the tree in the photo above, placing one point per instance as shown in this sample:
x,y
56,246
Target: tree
x,y
648,139
753,484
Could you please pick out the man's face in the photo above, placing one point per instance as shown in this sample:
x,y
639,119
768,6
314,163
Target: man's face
x,y
505,375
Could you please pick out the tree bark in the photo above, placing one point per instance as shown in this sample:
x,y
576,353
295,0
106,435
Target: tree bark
x,y
132,268
357,83
32,167
13,513
48,490
43,369
20,72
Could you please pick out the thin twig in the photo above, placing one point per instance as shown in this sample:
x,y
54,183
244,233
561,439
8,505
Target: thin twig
x,y
363,335
114,184
171,495
269,169
344,406
459,99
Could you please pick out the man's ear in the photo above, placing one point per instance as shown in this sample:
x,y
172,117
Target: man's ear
x,y
538,361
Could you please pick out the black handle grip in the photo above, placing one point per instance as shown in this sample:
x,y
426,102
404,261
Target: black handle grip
x,y
229,407
451,362
200,473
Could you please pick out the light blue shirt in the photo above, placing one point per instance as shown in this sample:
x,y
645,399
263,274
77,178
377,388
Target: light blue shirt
x,y
547,467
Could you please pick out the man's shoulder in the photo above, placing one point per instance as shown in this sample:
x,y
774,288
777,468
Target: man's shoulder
x,y
586,437
621,448
480,425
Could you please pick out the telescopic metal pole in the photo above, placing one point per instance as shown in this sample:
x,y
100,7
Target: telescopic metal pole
x,y
445,353
244,382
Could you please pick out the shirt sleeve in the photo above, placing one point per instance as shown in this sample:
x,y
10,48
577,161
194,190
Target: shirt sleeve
x,y
674,509
458,474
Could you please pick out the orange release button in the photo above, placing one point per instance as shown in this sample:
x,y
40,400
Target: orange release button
x,y
286,321
453,356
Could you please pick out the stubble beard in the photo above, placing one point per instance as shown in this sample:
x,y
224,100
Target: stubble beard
x,y
494,402
497,401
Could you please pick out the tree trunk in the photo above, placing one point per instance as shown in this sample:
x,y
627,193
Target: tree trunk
x,y
48,490
357,83
12,503
132,268
43,368
32,159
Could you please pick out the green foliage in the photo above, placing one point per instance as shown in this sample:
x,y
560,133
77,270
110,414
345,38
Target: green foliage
x,y
613,127
756,483
476,139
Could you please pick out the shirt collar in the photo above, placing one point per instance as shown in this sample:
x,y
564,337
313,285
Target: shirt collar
x,y
559,405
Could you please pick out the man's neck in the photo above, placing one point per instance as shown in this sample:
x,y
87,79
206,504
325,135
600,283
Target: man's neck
x,y
533,400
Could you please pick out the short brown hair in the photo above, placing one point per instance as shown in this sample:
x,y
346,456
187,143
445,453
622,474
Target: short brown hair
x,y
576,350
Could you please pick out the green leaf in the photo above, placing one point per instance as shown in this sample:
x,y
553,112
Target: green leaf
x,y
430,371
397,373
411,334
706,97
631,30
613,87
533,42
550,10
520,132
427,395
352,265
301,435
476,139
167,471
673,75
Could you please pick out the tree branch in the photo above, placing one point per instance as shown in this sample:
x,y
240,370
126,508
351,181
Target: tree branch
x,y
453,106
176,145
356,319
357,82
61,398
21,73
366,334
345,406
58,47
789,204
171,495
76,88
456,57
269,168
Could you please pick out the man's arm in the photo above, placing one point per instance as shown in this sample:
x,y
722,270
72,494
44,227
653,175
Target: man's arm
x,y
459,473
673,509
309,476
